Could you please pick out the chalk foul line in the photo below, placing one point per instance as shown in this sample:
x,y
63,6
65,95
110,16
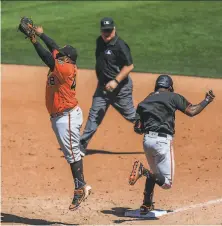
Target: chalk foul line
x,y
194,206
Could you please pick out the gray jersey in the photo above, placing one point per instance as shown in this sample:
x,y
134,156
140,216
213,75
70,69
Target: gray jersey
x,y
157,111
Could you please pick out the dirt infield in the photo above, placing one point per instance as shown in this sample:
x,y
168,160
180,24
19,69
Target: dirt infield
x,y
36,180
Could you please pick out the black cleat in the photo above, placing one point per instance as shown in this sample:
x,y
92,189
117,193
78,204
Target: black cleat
x,y
136,173
145,209
79,196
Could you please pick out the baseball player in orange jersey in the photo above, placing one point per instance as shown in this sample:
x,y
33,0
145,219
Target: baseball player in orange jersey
x,y
62,105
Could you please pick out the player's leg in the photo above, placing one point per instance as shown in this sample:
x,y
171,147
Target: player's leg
x,y
138,171
97,112
154,153
159,155
150,180
148,194
67,130
123,102
164,161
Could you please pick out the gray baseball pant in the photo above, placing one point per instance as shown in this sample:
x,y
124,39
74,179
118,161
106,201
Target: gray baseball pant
x,y
160,156
122,102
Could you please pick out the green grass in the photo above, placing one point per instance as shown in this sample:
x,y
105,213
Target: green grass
x,y
165,37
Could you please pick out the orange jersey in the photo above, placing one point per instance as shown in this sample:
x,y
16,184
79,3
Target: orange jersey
x,y
60,86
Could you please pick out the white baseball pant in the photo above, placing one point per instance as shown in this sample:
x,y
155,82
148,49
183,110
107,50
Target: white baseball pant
x,y
67,130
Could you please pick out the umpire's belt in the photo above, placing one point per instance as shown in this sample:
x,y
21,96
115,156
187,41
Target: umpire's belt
x,y
155,134
61,113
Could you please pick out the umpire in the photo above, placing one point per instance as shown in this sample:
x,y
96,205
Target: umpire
x,y
113,65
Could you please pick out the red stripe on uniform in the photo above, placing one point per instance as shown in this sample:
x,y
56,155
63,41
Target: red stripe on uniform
x,y
70,138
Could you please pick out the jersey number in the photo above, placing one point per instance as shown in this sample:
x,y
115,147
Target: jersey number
x,y
51,81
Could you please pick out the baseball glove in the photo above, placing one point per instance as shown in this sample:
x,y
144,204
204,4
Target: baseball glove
x,y
138,126
26,27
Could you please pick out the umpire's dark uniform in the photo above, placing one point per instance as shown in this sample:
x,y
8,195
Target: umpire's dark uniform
x,y
111,57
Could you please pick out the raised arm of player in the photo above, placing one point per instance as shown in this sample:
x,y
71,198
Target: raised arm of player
x,y
189,109
50,43
193,110
44,54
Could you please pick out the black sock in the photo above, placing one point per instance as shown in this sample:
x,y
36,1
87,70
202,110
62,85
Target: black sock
x,y
146,172
158,178
83,144
77,173
148,192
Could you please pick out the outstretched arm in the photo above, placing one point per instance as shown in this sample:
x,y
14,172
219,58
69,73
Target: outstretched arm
x,y
44,54
50,43
26,27
193,110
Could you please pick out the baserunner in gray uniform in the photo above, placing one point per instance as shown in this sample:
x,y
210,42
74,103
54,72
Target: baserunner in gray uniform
x,y
156,120
113,65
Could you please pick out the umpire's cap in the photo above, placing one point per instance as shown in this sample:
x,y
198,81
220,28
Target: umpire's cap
x,y
107,23
70,52
164,81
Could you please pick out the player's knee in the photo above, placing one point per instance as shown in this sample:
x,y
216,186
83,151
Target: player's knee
x,y
69,160
72,157
96,116
167,184
92,114
72,160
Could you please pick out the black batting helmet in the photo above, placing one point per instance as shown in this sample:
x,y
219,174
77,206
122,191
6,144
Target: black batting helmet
x,y
164,81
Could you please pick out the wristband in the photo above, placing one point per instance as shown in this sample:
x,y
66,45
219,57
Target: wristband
x,y
204,103
116,81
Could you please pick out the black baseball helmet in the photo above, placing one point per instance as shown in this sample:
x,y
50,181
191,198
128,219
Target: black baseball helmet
x,y
68,51
164,81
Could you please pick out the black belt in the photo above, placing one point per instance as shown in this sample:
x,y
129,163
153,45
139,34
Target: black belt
x,y
162,135
158,134
54,115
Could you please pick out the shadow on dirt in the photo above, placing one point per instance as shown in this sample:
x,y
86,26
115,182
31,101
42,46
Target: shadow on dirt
x,y
11,218
117,211
120,211
94,151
